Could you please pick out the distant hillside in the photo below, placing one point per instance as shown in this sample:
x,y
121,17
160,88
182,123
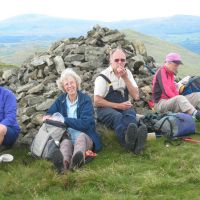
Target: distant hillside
x,y
181,29
21,36
159,48
16,53
33,27
6,66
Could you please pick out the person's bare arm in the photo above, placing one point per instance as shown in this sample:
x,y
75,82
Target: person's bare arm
x,y
133,91
101,102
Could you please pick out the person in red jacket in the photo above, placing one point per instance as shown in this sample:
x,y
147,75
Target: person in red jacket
x,y
165,90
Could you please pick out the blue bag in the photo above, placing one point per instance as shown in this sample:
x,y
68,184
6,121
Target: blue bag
x,y
176,125
193,85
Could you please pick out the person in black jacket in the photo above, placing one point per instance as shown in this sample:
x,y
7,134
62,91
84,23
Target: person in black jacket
x,y
77,110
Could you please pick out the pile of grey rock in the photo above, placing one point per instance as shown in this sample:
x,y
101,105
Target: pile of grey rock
x,y
34,83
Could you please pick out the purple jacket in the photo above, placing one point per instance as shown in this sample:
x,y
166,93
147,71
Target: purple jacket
x,y
8,107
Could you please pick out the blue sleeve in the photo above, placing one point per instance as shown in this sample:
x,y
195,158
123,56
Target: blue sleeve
x,y
54,108
10,109
86,117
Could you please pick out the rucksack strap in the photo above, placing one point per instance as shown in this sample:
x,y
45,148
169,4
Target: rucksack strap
x,y
166,119
173,141
170,139
55,123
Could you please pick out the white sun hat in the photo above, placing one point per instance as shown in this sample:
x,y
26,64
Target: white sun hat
x,y
6,158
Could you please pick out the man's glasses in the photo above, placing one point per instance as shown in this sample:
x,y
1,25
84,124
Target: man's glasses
x,y
122,60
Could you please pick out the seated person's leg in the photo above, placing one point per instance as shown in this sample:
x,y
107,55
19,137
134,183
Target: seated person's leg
x,y
10,137
113,119
109,116
176,104
3,130
66,147
135,137
82,144
129,116
194,99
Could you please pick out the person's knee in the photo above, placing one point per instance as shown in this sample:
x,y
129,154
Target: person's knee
x,y
3,130
81,135
65,142
81,138
10,137
197,95
180,99
117,115
108,115
129,111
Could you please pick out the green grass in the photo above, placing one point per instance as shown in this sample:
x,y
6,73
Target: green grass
x,y
6,66
159,49
160,173
17,53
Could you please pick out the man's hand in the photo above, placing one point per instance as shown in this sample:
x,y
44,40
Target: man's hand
x,y
124,106
121,72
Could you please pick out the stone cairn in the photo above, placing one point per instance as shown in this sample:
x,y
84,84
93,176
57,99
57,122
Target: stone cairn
x,y
34,83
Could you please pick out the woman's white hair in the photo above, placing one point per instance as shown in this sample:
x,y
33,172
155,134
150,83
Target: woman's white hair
x,y
68,73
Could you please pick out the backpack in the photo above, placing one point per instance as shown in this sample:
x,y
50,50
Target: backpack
x,y
193,85
48,137
172,125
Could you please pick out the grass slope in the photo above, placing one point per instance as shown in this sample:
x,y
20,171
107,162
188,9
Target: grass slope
x,y
159,48
17,53
160,173
6,66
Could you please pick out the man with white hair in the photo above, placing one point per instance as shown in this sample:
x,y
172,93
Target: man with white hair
x,y
165,91
111,97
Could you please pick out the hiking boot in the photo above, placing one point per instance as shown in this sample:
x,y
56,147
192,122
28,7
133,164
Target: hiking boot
x,y
131,136
57,159
77,160
55,156
197,116
141,139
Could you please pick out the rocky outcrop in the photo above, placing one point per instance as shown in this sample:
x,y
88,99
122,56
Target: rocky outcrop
x,y
34,83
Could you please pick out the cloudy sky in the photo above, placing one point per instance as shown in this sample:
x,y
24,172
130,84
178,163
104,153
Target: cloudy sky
x,y
104,10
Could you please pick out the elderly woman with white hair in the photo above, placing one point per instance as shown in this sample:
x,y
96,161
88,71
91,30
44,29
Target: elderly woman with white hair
x,y
77,110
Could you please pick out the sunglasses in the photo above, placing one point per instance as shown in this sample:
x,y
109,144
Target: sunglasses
x,y
122,60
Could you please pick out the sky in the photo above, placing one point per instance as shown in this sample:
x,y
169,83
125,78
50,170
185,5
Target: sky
x,y
103,10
